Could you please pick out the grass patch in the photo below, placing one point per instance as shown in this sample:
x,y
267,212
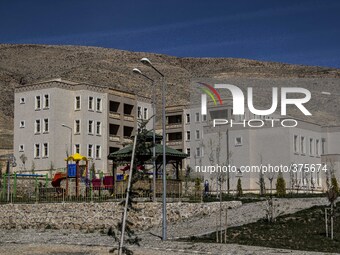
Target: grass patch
x,y
304,230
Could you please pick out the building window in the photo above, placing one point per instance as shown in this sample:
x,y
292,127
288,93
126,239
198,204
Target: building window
x,y
21,148
22,124
45,150
296,144
98,128
145,113
139,112
91,127
36,150
37,128
22,100
238,141
77,103
188,135
311,146
46,127
77,126
188,118
37,102
99,105
323,146
317,151
46,101
98,152
197,134
197,117
188,152
77,148
204,117
303,149
91,103
198,152
90,150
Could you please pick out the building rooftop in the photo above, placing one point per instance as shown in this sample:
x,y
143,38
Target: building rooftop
x,y
42,83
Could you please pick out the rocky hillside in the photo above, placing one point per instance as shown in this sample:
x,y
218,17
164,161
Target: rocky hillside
x,y
22,64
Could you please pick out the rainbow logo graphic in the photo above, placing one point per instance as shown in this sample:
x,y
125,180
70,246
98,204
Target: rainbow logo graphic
x,y
211,92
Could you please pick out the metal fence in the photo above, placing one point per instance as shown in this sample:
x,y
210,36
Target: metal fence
x,y
142,192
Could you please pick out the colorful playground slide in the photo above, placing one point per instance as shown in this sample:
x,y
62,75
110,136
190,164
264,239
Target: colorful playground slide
x,y
58,177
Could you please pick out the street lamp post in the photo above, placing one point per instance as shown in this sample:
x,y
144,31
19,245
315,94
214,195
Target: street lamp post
x,y
65,126
147,62
77,171
138,72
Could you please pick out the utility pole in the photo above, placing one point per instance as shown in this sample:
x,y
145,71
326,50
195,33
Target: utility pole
x,y
121,243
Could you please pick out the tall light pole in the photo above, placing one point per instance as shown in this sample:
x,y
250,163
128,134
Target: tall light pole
x,y
65,126
138,72
148,63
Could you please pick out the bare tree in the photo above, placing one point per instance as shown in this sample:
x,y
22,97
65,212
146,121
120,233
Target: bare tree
x,y
51,169
228,163
261,181
292,178
270,176
212,159
23,159
33,167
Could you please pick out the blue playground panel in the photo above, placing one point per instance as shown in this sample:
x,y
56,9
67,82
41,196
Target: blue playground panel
x,y
72,170
120,177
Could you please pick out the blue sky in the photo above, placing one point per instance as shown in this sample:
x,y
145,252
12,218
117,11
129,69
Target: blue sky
x,y
299,32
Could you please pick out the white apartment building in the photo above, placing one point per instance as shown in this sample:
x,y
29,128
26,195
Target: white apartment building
x,y
56,118
239,146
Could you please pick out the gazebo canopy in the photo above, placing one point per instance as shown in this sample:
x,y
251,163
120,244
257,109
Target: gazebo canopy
x,y
171,154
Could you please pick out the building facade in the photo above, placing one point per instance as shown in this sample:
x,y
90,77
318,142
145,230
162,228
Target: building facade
x,y
57,118
244,147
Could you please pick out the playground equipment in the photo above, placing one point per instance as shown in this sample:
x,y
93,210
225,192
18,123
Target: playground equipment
x,y
79,172
73,170
58,177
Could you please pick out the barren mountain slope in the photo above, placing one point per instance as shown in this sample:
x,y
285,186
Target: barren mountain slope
x,y
22,64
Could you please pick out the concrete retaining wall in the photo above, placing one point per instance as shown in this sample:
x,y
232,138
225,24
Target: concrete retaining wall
x,y
98,216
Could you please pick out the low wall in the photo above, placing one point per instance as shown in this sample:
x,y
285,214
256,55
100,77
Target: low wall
x,y
98,216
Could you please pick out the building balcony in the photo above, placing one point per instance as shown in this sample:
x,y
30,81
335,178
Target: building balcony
x,y
174,143
173,125
114,138
129,117
114,115
127,139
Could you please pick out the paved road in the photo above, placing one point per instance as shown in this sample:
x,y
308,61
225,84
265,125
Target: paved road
x,y
245,214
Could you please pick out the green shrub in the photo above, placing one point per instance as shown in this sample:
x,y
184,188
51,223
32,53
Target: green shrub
x,y
335,185
198,184
280,186
239,188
